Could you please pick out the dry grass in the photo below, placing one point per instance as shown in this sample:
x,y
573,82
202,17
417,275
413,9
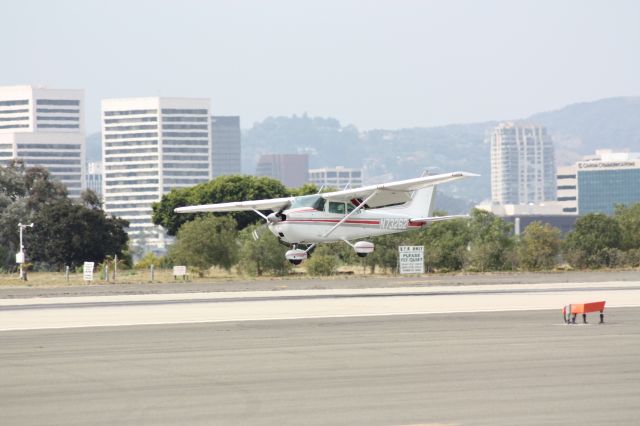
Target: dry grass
x,y
134,276
130,276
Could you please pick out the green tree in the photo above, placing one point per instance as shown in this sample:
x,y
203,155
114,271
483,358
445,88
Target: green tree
x,y
445,244
491,242
67,233
323,261
263,256
12,182
539,246
206,241
306,189
385,253
628,217
41,189
220,190
151,259
591,242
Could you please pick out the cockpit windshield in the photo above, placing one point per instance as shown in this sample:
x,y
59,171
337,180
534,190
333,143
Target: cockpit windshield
x,y
313,201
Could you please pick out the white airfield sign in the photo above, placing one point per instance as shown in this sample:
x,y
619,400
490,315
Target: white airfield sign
x,y
411,259
87,271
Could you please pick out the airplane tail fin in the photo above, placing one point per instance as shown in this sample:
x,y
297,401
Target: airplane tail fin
x,y
422,202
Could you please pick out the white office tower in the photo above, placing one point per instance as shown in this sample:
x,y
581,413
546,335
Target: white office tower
x,y
44,127
336,177
523,170
149,147
226,150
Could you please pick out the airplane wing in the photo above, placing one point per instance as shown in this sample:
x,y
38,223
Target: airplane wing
x,y
394,192
274,204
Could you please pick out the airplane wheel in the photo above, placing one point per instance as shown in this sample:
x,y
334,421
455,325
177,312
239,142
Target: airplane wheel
x,y
362,254
295,261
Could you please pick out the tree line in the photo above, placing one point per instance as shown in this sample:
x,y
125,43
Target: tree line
x,y
484,242
66,231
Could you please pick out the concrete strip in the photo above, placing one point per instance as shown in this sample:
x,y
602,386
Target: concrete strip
x,y
196,310
432,290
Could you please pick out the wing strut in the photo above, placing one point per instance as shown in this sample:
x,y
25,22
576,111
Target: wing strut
x,y
260,214
358,207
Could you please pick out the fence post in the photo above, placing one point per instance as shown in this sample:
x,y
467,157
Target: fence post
x,y
115,267
152,268
66,272
106,272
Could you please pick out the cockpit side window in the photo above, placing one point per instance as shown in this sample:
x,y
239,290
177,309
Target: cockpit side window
x,y
335,207
319,204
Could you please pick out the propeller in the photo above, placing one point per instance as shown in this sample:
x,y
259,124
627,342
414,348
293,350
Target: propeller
x,y
257,233
274,217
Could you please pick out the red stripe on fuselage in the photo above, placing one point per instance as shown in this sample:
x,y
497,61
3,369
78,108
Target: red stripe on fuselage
x,y
362,222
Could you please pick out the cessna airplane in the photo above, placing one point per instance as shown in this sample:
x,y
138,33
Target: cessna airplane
x,y
345,215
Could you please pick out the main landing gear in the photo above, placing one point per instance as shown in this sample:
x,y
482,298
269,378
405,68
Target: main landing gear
x,y
296,255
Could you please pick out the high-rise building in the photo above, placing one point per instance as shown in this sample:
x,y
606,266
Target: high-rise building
x,y
336,177
94,177
290,169
606,179
225,145
44,127
567,189
522,164
149,147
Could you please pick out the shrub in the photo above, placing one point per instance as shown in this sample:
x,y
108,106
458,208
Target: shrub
x,y
323,262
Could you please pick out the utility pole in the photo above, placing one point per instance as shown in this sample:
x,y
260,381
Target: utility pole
x,y
20,256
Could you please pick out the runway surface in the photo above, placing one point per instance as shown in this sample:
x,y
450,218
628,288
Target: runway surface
x,y
364,357
146,309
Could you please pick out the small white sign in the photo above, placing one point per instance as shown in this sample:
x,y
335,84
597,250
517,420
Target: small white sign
x,y
179,271
87,271
20,257
411,259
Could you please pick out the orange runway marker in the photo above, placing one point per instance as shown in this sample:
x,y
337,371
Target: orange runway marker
x,y
584,309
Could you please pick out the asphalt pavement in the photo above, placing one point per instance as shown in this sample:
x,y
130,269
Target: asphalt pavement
x,y
494,368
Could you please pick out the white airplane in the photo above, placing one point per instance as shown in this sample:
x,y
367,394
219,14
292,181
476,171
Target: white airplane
x,y
345,215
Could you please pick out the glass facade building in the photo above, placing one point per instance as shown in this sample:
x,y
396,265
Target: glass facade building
x,y
225,145
601,189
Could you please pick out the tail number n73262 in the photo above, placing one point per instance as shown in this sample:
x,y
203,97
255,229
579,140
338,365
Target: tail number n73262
x,y
393,223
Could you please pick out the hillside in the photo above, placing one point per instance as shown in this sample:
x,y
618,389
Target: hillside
x,y
577,130
581,128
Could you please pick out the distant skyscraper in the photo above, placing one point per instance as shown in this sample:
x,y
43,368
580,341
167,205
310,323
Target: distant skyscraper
x,y
44,127
336,177
290,169
149,147
226,150
94,177
522,164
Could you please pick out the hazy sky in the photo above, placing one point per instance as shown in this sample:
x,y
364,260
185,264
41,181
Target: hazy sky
x,y
373,64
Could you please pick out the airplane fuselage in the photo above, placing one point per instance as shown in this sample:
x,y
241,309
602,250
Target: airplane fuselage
x,y
309,226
